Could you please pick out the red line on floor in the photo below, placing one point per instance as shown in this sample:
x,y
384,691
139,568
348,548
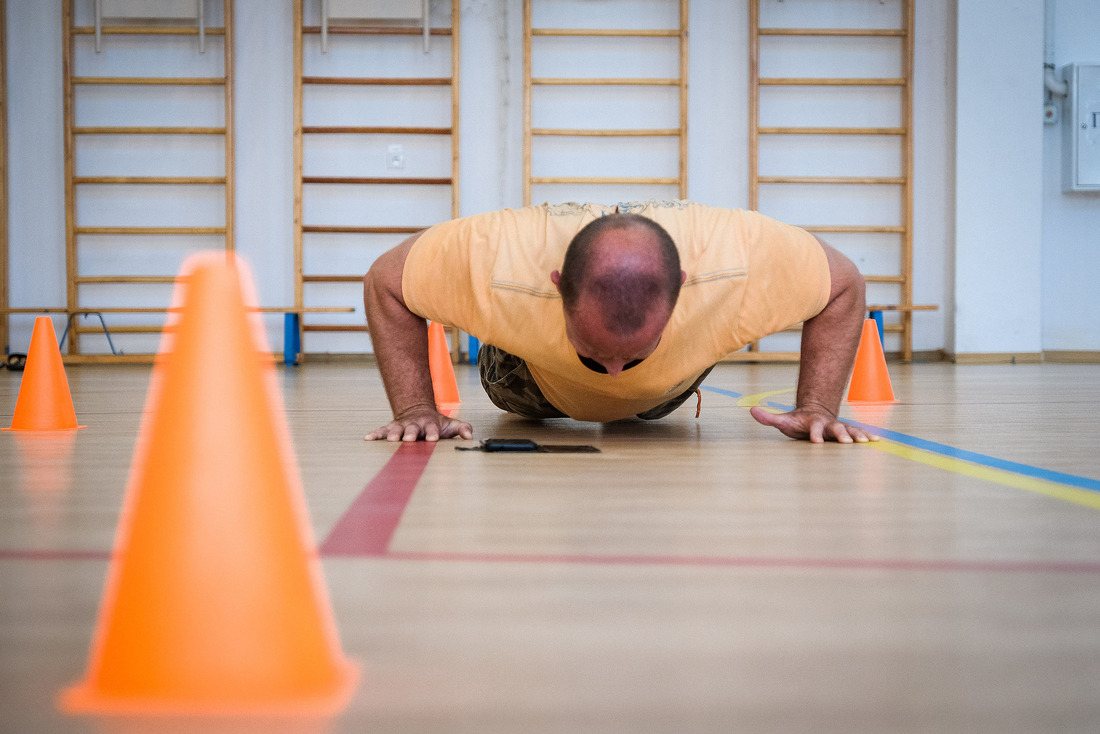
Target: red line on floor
x,y
367,528
840,564
369,524
15,554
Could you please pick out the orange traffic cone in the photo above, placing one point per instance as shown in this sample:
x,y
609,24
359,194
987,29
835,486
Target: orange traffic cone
x,y
870,378
44,402
214,603
444,384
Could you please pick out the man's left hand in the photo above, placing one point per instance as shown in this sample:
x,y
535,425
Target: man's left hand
x,y
812,424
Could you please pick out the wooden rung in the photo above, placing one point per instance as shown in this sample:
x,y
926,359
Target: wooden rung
x,y
873,32
148,131
853,228
904,307
144,309
151,329
332,278
384,81
77,311
596,133
136,180
340,229
151,81
136,30
334,327
608,32
375,181
887,180
121,309
307,309
149,230
829,82
131,279
831,131
606,82
601,180
113,358
367,30
141,358
352,130
884,278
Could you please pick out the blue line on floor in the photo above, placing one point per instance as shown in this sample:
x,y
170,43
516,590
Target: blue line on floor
x,y
1072,480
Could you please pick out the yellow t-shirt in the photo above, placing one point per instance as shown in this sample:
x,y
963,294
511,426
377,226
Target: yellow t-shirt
x,y
489,274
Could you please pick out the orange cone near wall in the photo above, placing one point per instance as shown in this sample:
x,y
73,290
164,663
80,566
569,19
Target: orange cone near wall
x,y
214,603
870,378
44,402
443,370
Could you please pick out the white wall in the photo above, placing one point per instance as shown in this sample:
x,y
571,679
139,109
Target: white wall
x,y
1012,224
933,186
1026,253
491,98
36,166
264,147
1071,221
998,192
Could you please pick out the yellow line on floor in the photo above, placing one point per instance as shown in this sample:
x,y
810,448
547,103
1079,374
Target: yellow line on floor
x,y
1005,478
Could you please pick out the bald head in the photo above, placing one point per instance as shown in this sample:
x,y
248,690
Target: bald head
x,y
625,266
619,283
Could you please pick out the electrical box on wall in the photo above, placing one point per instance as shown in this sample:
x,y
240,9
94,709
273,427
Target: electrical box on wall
x,y
1081,135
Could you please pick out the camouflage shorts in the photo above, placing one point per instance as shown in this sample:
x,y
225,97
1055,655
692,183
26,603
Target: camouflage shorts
x,y
509,384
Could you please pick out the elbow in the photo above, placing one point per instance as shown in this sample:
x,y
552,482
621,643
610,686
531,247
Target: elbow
x,y
369,281
370,289
374,291
859,289
848,285
854,294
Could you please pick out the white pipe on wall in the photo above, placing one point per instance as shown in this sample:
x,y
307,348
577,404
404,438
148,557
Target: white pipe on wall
x,y
1052,83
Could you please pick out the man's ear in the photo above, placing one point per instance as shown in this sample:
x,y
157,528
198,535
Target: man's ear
x,y
555,278
683,277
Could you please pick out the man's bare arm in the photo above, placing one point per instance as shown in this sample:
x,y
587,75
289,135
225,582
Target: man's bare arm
x,y
829,343
400,340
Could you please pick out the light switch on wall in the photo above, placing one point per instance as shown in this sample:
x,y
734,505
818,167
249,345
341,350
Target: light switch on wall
x,y
395,156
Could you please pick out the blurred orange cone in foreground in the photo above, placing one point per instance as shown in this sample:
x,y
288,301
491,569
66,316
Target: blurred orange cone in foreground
x,y
214,604
444,384
44,402
870,378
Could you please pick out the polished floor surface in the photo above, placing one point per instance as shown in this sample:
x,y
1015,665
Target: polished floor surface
x,y
698,575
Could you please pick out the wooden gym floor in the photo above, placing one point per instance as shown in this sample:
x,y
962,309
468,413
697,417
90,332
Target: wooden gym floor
x,y
698,575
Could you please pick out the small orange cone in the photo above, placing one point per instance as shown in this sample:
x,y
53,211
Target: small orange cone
x,y
444,384
870,378
44,402
214,603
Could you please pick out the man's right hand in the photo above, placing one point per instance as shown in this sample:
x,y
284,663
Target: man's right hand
x,y
421,423
400,340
